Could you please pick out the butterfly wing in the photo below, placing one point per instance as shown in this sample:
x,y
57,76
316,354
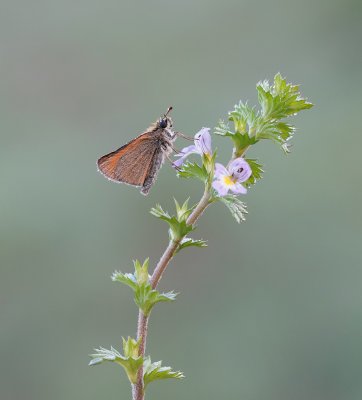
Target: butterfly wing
x,y
132,162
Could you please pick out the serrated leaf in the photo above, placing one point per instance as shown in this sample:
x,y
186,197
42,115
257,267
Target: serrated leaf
x,y
281,99
242,142
193,170
178,225
141,272
180,229
155,371
146,298
130,347
130,364
139,277
222,128
278,101
127,279
158,212
236,207
182,212
257,171
245,119
244,135
188,242
142,298
285,130
95,361
168,296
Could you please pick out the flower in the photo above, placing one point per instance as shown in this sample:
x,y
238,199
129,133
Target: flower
x,y
238,171
202,146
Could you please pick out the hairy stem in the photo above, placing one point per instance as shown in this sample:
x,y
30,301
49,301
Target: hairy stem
x,y
142,328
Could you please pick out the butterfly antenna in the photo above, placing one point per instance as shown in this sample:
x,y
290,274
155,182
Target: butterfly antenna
x,y
168,111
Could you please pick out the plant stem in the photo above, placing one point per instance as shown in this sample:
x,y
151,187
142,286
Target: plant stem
x,y
142,328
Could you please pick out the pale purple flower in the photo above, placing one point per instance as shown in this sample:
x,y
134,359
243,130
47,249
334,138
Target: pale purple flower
x,y
202,146
231,178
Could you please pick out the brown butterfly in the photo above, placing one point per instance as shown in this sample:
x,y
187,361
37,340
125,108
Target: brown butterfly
x,y
138,162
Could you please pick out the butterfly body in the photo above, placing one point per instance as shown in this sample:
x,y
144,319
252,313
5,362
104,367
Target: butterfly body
x,y
137,163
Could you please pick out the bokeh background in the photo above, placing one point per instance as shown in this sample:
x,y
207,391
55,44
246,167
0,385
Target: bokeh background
x,y
272,309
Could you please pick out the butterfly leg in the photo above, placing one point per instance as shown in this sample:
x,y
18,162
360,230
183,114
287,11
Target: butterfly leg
x,y
172,162
176,151
184,136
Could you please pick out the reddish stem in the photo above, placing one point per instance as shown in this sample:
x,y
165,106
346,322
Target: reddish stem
x,y
142,328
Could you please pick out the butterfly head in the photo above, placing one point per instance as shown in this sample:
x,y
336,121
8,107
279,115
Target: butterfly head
x,y
165,121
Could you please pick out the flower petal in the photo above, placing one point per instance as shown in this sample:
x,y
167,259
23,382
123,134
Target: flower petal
x,y
220,187
220,171
184,153
238,189
203,141
179,162
240,169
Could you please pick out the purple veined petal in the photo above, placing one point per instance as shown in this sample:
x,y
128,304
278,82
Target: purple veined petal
x,y
179,162
238,188
240,169
220,171
220,187
203,141
185,152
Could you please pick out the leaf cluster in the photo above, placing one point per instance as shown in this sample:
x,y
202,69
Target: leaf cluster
x,y
178,226
144,295
277,101
177,223
131,363
204,172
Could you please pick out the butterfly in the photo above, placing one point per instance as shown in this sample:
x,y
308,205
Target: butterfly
x,y
137,162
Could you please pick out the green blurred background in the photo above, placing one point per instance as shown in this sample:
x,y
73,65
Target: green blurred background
x,y
272,309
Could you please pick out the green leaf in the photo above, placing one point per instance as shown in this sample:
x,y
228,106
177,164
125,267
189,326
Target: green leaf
x,y
158,212
245,119
281,99
140,276
144,296
193,170
244,124
182,212
127,279
236,207
285,130
241,143
188,242
178,225
141,272
257,171
278,101
130,364
222,129
103,355
130,347
169,296
155,371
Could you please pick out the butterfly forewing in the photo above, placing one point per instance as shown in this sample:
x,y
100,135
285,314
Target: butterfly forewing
x,y
132,162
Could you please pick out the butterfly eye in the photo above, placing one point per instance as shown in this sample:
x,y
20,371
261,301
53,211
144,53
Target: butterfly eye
x,y
163,123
